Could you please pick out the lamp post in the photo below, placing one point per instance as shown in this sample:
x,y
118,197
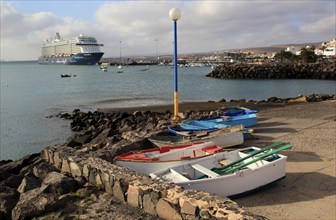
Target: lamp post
x,y
156,54
120,52
175,14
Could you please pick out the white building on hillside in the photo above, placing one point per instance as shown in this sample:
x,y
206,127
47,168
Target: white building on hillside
x,y
327,49
294,50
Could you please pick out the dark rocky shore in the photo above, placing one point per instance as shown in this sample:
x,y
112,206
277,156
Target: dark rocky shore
x,y
323,69
77,180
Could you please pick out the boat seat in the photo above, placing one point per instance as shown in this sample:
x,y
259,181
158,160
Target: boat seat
x,y
224,162
205,171
177,176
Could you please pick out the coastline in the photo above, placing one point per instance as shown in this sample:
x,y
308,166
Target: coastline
x,y
193,106
308,192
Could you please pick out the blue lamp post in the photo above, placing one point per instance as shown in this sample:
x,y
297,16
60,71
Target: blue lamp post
x,y
175,14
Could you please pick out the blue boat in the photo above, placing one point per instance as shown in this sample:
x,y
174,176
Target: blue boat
x,y
220,121
188,130
235,110
202,126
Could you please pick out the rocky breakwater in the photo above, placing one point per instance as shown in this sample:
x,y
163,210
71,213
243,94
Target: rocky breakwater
x,y
79,180
325,70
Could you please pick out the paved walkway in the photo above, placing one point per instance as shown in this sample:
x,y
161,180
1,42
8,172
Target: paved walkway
x,y
309,189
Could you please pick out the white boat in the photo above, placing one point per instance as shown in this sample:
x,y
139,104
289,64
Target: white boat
x,y
103,68
230,173
151,160
224,137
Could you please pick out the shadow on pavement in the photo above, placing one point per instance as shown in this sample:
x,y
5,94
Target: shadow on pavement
x,y
296,187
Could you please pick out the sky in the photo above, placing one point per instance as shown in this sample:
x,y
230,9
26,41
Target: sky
x,y
204,26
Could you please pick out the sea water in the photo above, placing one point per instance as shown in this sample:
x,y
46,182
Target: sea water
x,y
31,94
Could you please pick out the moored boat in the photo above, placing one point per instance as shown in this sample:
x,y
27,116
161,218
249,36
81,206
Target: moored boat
x,y
230,173
151,160
224,137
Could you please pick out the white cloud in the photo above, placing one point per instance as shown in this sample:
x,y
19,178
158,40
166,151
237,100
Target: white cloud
x,y
324,25
204,26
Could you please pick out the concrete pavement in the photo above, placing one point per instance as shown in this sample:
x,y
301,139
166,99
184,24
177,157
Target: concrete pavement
x,y
308,191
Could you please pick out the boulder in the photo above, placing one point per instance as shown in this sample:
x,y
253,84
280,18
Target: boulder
x,y
41,170
166,210
15,167
37,202
28,183
13,181
8,200
59,184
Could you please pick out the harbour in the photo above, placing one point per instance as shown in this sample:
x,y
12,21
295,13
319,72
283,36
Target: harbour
x,y
31,94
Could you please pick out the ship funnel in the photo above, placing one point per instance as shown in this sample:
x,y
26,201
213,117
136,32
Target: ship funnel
x,y
57,36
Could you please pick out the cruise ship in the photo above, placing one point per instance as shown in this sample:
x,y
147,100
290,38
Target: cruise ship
x,y
80,50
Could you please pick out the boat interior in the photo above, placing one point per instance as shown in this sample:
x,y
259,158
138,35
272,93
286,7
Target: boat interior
x,y
212,168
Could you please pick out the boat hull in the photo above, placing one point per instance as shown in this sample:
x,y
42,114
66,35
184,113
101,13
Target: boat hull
x,y
235,111
222,139
246,120
148,167
257,175
76,59
151,160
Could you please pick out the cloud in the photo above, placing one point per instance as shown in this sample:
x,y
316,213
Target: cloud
x,y
204,26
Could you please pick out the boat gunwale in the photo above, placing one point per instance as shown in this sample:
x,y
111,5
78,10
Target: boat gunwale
x,y
121,158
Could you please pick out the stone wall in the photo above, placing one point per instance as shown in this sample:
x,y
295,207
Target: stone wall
x,y
325,70
167,201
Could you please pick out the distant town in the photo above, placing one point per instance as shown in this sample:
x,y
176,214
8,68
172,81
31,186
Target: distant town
x,y
261,54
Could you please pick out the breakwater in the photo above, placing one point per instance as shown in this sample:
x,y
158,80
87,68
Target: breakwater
x,y
59,180
325,70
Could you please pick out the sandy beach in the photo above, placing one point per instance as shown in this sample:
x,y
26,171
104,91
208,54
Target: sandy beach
x,y
308,191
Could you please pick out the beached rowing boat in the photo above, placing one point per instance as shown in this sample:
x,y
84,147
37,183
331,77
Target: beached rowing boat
x,y
230,173
234,111
151,160
248,120
224,137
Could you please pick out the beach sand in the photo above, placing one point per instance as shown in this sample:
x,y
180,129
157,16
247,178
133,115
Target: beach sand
x,y
308,191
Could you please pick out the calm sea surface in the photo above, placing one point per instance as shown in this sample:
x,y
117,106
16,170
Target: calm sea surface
x,y
30,93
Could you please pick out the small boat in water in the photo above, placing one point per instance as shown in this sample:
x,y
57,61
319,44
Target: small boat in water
x,y
103,68
230,173
224,137
151,160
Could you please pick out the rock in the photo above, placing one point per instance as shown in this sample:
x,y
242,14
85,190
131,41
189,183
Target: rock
x,y
41,170
13,181
59,184
28,183
8,200
37,202
148,204
299,99
167,211
188,206
119,190
75,169
133,196
15,167
73,143
325,70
